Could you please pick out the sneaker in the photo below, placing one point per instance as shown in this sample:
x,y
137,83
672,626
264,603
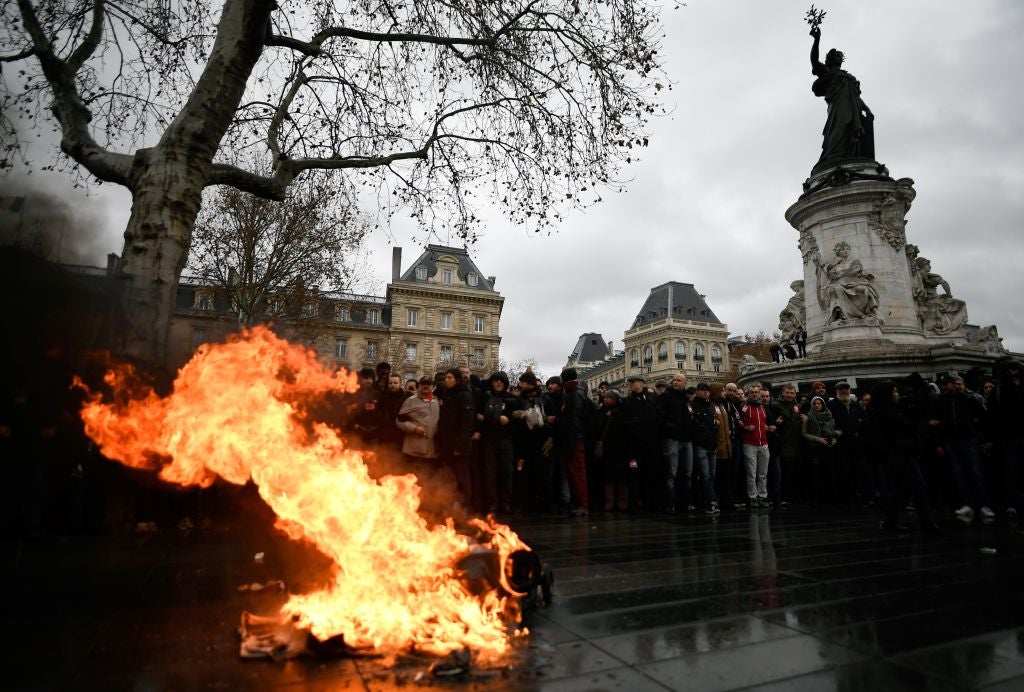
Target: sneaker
x,y
987,513
715,509
690,509
964,512
709,511
763,503
741,506
783,504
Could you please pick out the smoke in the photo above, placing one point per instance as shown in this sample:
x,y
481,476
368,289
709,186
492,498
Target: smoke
x,y
36,219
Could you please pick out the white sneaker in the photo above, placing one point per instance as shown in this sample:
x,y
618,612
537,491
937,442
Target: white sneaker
x,y
964,511
987,513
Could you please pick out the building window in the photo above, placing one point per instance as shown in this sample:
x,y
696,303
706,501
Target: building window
x,y
716,353
662,351
276,305
699,365
342,314
413,314
410,353
310,309
447,353
203,300
341,348
698,353
446,275
472,279
446,320
648,355
478,357
717,367
478,324
373,316
680,350
634,358
372,350
421,273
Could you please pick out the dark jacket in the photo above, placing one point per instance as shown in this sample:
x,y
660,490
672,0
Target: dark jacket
x,y
389,404
848,419
458,419
789,432
959,416
889,430
703,424
673,416
1008,408
575,416
641,417
499,404
611,441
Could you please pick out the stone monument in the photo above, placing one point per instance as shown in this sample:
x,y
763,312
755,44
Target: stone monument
x,y
868,302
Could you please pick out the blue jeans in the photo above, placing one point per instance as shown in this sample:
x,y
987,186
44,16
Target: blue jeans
x,y
964,456
706,462
672,451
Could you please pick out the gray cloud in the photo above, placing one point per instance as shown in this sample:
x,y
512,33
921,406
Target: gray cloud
x,y
706,202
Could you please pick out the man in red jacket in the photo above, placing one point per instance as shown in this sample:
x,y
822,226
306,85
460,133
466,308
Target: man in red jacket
x,y
754,423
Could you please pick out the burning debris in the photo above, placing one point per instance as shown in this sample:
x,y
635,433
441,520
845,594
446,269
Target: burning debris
x,y
397,583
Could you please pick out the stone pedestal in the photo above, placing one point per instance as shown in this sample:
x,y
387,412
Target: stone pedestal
x,y
858,281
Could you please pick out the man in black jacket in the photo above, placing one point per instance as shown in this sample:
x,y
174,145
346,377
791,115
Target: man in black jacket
x,y
673,427
956,417
855,483
704,440
534,477
497,443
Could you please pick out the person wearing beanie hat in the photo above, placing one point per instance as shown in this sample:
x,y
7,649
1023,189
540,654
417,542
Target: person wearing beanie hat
x,y
496,444
529,378
568,375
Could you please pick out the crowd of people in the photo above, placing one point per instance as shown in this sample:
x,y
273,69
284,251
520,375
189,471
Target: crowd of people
x,y
675,448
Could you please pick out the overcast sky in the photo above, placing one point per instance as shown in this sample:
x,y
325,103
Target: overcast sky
x,y
706,202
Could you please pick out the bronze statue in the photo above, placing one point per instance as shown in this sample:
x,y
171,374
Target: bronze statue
x,y
849,127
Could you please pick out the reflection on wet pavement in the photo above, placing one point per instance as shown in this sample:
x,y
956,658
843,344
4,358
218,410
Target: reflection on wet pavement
x,y
797,600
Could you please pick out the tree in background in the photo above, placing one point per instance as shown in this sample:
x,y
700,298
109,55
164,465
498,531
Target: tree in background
x,y
430,105
272,258
516,368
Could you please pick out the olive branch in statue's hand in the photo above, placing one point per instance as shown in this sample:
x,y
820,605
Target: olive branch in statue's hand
x,y
815,17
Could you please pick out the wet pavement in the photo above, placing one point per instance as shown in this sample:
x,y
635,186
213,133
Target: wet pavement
x,y
794,600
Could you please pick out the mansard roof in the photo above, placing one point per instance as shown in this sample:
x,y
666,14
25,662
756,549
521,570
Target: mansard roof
x,y
466,267
589,347
678,300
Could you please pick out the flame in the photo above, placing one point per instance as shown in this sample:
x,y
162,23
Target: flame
x,y
234,413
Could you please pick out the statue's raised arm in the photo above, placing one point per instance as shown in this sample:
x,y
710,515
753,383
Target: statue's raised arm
x,y
817,68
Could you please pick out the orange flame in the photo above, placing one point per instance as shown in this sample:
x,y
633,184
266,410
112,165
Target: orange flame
x,y
233,414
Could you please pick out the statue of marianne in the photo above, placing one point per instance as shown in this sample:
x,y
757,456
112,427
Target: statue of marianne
x,y
849,127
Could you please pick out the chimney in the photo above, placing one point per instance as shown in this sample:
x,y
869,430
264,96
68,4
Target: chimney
x,y
492,279
396,264
111,263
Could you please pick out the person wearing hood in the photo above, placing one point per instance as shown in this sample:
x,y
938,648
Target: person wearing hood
x,y
455,430
497,441
819,430
574,419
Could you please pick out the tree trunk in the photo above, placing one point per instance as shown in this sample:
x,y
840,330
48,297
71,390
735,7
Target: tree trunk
x,y
166,199
168,180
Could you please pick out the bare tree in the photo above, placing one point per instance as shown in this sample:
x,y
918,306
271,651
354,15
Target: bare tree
x,y
429,103
256,249
516,368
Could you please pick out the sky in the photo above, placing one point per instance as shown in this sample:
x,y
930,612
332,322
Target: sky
x,y
705,204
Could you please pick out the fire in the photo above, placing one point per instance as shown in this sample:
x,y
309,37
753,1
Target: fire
x,y
234,413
